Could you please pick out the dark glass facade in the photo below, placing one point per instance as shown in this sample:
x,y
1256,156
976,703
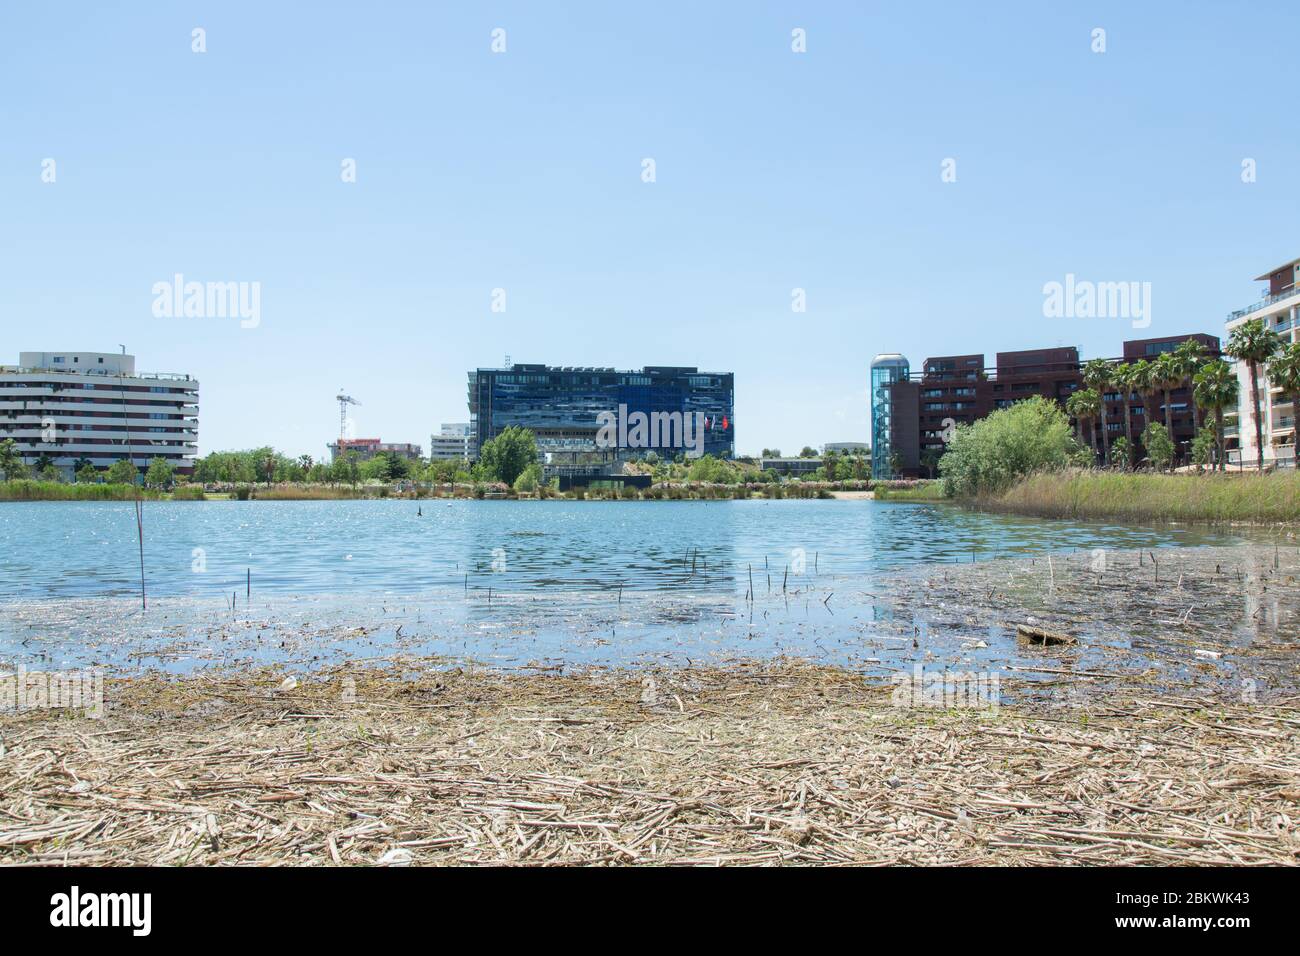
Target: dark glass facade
x,y
562,406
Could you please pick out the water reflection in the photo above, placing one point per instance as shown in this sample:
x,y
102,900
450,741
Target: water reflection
x,y
83,549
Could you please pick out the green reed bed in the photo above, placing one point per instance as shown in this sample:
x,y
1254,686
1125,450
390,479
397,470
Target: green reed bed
x,y
1143,496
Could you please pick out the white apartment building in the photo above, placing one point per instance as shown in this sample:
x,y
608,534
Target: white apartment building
x,y
74,407
1280,311
453,444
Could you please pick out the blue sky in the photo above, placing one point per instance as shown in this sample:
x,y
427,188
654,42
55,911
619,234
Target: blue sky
x,y
522,171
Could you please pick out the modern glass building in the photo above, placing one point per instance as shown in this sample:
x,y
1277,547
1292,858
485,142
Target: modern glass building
x,y
563,406
886,369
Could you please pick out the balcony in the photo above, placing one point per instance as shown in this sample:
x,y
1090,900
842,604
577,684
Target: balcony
x,y
1264,303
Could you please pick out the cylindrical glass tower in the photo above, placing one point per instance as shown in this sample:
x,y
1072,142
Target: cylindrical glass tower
x,y
886,369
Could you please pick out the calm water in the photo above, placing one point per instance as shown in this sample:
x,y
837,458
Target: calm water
x,y
53,550
507,583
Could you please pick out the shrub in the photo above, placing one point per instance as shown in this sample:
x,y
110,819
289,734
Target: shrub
x,y
991,454
529,479
1159,446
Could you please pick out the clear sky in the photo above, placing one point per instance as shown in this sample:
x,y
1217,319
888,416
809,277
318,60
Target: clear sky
x,y
522,171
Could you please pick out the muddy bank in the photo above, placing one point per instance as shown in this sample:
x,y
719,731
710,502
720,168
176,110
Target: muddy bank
x,y
769,764
1225,617
1222,618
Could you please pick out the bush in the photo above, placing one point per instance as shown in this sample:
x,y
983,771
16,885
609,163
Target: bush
x,y
713,470
1120,453
1203,446
988,456
529,479
1159,446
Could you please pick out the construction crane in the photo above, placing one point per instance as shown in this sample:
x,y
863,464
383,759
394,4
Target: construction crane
x,y
344,401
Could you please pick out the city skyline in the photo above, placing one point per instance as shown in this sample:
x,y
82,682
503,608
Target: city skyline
x,y
779,176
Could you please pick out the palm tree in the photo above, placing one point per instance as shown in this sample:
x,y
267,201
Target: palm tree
x,y
1125,379
1144,380
1167,375
1085,404
1284,372
1215,388
1189,356
1074,406
1099,375
1253,342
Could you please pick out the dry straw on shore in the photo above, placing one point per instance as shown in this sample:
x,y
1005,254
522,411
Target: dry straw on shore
x,y
774,764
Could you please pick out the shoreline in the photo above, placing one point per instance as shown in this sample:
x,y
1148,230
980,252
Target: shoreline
x,y
747,764
1169,735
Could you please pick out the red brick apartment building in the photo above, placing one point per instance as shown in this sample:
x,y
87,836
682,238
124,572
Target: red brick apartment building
x,y
957,389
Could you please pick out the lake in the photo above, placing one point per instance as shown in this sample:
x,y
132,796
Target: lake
x,y
495,581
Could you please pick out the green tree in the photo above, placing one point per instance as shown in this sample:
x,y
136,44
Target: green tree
x,y
159,474
87,474
1144,380
930,459
989,455
1126,378
1215,389
505,457
1121,452
808,452
1203,447
1167,375
11,462
1099,375
1159,446
346,468
1254,343
1085,405
1189,356
1284,372
122,472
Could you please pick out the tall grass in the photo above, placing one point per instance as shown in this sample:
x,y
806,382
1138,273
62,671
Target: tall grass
x,y
1145,497
910,491
310,493
26,490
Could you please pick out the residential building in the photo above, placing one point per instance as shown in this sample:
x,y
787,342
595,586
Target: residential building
x,y
367,448
566,407
1181,416
74,408
453,443
916,414
1279,309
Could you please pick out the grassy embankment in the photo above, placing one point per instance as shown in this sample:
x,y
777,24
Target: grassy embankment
x,y
1142,496
25,490
920,491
